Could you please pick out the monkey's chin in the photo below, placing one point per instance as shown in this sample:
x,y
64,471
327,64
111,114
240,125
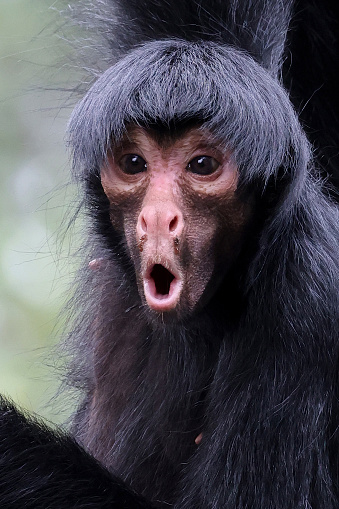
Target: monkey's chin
x,y
162,288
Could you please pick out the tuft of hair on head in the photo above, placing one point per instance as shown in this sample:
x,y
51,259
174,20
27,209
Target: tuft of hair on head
x,y
176,83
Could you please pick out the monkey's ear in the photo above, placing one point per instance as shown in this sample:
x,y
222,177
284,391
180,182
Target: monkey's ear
x,y
42,468
275,188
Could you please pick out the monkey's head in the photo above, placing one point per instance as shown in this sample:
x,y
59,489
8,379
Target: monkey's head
x,y
174,199
182,136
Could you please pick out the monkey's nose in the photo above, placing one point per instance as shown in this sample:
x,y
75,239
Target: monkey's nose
x,y
162,220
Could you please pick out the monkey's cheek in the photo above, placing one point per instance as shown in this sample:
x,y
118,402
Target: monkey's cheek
x,y
198,280
162,289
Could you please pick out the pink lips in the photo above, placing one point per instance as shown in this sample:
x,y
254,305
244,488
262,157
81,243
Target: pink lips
x,y
162,287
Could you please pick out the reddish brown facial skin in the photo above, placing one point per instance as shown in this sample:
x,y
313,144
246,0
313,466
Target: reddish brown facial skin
x,y
190,224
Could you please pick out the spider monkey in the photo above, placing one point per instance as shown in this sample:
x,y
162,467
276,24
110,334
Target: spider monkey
x,y
206,315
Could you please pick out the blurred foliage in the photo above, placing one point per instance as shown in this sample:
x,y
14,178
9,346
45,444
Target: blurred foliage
x,y
34,167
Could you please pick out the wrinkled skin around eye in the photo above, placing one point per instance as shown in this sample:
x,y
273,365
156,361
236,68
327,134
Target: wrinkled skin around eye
x,y
177,206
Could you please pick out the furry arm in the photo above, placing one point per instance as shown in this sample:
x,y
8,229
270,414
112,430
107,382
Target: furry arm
x,y
42,468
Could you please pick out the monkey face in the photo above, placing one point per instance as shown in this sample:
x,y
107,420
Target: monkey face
x,y
175,202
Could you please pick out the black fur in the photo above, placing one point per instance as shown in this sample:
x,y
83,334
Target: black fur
x,y
255,370
41,470
310,73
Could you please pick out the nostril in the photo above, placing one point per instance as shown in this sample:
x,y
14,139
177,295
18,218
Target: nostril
x,y
143,224
173,224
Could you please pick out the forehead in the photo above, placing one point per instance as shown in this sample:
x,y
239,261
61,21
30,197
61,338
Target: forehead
x,y
168,139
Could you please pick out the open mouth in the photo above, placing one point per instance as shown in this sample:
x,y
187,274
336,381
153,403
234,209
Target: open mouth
x,y
162,279
162,288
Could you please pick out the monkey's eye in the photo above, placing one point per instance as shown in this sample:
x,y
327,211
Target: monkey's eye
x,y
131,164
203,165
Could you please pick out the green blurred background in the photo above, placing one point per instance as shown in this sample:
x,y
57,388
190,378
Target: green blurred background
x,y
34,168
